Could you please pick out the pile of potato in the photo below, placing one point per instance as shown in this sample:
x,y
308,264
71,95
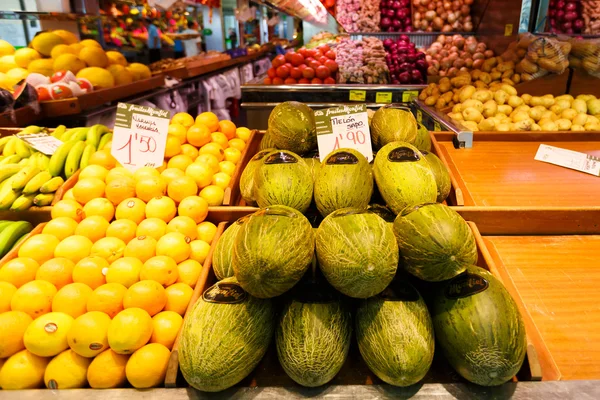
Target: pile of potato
x,y
504,110
536,56
585,54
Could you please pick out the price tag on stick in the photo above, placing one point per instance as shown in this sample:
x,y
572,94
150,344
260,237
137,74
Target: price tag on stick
x,y
42,142
140,136
343,127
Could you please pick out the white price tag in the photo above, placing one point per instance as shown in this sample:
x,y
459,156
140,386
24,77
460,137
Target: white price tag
x,y
569,159
42,142
140,136
343,127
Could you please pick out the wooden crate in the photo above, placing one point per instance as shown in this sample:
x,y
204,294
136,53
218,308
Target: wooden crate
x,y
20,117
584,83
537,366
500,170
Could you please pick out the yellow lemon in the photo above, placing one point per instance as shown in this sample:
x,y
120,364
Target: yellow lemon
x,y
108,299
125,271
200,173
33,298
213,195
237,144
221,179
215,149
93,227
184,119
7,290
67,208
132,209
109,248
142,247
60,227
72,299
58,271
149,187
172,147
166,327
88,334
88,189
14,324
68,370
180,161
146,172
206,231
189,150
94,171
227,167
89,271
148,295
171,173
74,248
120,189
174,245
46,336
153,227
19,271
39,247
220,138
23,370
188,272
100,207
243,133
183,187
161,207
179,131
194,207
123,229
199,250
129,330
117,173
147,367
232,154
183,225
178,297
162,269
208,160
107,370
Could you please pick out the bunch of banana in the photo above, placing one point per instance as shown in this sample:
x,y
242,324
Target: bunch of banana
x,y
11,234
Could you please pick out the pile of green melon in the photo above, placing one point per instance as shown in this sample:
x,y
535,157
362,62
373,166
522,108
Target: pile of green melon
x,y
399,277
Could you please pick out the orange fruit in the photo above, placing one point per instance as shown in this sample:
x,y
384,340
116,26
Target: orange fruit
x,y
219,138
93,227
182,118
19,271
109,248
227,167
23,370
198,135
117,173
104,158
194,207
171,173
125,271
123,229
72,299
209,160
214,149
39,247
174,245
188,272
178,297
33,298
94,171
60,227
189,150
88,334
237,144
166,327
161,269
119,189
228,128
101,207
132,209
7,290
153,227
68,195
206,231
209,119
146,172
108,299
142,248
150,187
179,131
161,207
221,179
232,154
67,208
201,174
213,195
74,248
90,271
172,147
180,188
199,250
180,161
184,225
58,271
243,133
148,295
107,370
147,367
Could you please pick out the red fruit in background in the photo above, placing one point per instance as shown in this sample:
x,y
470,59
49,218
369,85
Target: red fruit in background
x,y
289,65
85,84
303,52
324,48
322,72
318,54
283,72
290,81
302,66
304,81
296,73
332,65
329,81
278,61
60,91
268,81
311,52
297,59
288,56
277,81
58,75
329,3
330,54
317,81
314,65
308,73
271,73
322,60
43,93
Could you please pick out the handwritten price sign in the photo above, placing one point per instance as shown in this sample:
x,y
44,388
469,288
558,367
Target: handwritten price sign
x,y
343,127
140,136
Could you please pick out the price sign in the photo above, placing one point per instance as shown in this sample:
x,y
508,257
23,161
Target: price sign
x,y
343,127
383,97
569,159
140,136
408,95
42,142
358,95
508,29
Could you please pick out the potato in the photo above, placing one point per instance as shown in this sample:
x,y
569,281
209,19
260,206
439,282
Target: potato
x,y
592,126
478,105
461,81
556,109
548,126
569,114
592,119
440,103
495,75
455,97
505,109
580,119
593,106
490,108
563,124
528,67
431,100
535,127
579,105
565,97
423,95
577,128
585,97
456,116
505,66
516,78
480,85
510,90
482,95
515,101
520,116
488,124
526,98
445,86
536,101
501,97
508,74
523,125
525,77
447,97
504,127
489,64
522,107
457,108
547,101
470,125
536,113
472,114
475,74
485,78
466,93
544,121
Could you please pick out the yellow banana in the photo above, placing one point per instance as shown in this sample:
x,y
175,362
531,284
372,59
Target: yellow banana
x,y
23,162
43,161
43,199
95,133
58,132
14,159
22,149
3,142
52,185
8,170
9,149
7,194
106,138
80,135
20,179
30,129
85,157
22,203
57,161
35,184
73,159
11,234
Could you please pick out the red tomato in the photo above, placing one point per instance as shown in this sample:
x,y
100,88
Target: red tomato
x,y
296,73
302,66
58,76
322,60
330,54
323,48
302,51
311,52
322,72
318,54
290,81
277,81
43,93
314,65
297,59
283,72
332,65
329,81
308,73
271,73
85,84
289,65
329,3
60,91
278,61
268,81
317,81
288,56
304,81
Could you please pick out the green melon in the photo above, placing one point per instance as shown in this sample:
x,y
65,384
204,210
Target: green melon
x,y
313,162
313,336
442,177
272,250
435,242
423,140
224,337
247,178
392,125
266,142
403,176
395,335
283,178
479,328
357,252
344,180
221,261
292,127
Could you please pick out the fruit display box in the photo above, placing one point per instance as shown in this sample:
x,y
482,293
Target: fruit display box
x,y
23,116
538,364
500,170
584,83
206,66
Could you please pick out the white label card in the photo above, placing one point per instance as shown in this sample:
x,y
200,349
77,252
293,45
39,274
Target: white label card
x,y
569,159
42,142
343,127
140,136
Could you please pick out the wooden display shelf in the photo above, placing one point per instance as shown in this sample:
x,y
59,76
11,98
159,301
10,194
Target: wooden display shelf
x,y
500,170
20,117
584,83
206,66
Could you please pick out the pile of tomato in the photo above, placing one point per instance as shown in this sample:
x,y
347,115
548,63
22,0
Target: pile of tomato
x,y
305,66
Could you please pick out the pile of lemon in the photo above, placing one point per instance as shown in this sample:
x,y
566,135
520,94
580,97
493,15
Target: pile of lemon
x,y
97,298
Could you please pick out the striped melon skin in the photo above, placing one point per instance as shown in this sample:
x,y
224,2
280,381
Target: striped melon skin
x,y
482,335
423,140
314,164
222,343
266,142
272,250
404,183
292,127
435,242
247,178
442,177
313,340
357,252
392,125
395,337
343,185
222,264
288,183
